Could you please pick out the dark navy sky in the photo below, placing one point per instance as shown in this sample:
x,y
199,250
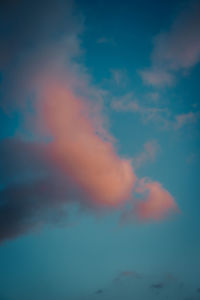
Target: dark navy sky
x,y
99,150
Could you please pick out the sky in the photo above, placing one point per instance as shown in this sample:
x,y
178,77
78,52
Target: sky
x,y
99,150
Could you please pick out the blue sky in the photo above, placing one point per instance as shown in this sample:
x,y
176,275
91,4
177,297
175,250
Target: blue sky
x,y
99,150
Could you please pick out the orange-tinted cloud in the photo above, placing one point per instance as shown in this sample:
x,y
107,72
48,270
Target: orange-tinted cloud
x,y
79,164
38,179
158,204
80,150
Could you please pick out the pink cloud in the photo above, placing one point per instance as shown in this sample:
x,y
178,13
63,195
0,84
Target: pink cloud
x,y
80,150
158,202
90,159
80,163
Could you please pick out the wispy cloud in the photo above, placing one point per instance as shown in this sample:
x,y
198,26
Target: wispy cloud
x,y
105,40
129,103
119,77
149,153
155,113
126,274
187,118
176,50
157,286
157,77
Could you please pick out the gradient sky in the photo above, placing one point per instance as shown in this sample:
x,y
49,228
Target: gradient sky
x,y
99,150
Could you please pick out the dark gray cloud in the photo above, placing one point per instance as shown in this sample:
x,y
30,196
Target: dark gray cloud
x,y
157,286
21,158
27,27
33,191
98,292
20,207
34,37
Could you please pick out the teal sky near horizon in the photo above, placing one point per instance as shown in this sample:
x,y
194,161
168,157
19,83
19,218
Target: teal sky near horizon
x,y
99,150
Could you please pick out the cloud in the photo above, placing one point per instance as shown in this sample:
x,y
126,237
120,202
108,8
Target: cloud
x,y
22,159
80,150
150,150
65,153
150,286
119,77
127,273
152,202
105,40
129,103
25,207
157,286
177,50
33,190
126,103
98,292
158,203
156,77
38,180
187,118
90,159
78,164
153,97
156,113
38,37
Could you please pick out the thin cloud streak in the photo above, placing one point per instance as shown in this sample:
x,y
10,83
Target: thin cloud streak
x,y
155,114
151,148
